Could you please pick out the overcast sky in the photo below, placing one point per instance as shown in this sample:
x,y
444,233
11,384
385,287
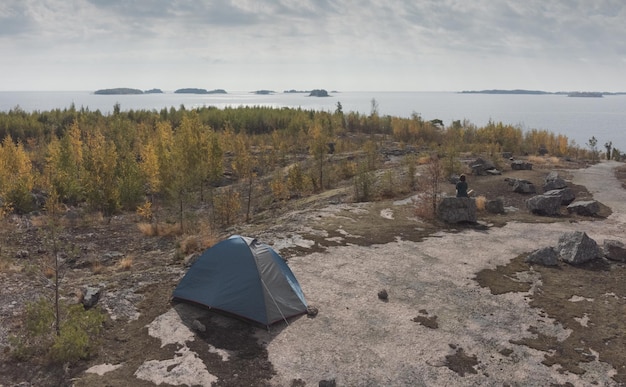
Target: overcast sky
x,y
385,45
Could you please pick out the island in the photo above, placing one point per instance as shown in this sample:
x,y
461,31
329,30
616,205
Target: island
x,y
498,91
153,91
119,90
319,93
587,94
263,92
193,90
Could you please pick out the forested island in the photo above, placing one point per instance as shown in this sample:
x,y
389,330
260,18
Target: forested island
x,y
126,91
119,90
319,93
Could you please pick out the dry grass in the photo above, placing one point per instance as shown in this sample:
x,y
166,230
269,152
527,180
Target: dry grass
x,y
126,263
480,203
48,272
159,229
199,238
544,160
97,267
424,208
5,264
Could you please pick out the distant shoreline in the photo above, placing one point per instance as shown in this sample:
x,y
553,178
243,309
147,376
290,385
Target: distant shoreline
x,y
592,94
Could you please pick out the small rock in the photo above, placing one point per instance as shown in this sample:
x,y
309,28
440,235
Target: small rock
x,y
312,311
383,295
327,383
22,254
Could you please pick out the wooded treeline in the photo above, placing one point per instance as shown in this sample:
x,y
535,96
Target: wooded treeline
x,y
130,160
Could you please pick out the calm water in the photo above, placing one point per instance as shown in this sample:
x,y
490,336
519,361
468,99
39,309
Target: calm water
x,y
577,118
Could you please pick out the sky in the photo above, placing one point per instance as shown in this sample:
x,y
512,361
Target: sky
x,y
368,45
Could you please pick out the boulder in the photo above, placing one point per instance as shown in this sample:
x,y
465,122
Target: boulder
x,y
457,210
566,194
584,208
495,206
544,205
481,167
614,250
521,186
577,247
546,256
91,296
556,183
519,165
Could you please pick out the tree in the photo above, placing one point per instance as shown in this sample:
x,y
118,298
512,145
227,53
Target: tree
x,y
244,165
434,177
318,147
64,165
592,144
16,176
100,180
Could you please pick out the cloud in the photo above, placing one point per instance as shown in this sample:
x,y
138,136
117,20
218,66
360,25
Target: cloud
x,y
407,44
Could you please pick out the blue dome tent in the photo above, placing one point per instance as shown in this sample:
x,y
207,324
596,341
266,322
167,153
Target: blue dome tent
x,y
241,276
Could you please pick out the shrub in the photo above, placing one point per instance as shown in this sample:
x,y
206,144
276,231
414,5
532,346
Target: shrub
x,y
480,203
75,340
77,334
364,185
126,263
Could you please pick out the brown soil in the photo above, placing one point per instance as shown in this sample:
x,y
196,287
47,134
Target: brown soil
x,y
157,268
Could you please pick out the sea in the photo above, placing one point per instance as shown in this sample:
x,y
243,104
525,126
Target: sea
x,y
578,118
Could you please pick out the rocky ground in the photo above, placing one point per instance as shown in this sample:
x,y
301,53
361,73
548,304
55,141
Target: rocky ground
x,y
463,307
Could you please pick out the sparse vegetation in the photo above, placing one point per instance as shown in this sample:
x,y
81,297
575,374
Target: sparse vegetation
x,y
76,339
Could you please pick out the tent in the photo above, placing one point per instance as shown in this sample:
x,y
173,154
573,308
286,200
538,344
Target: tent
x,y
241,276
